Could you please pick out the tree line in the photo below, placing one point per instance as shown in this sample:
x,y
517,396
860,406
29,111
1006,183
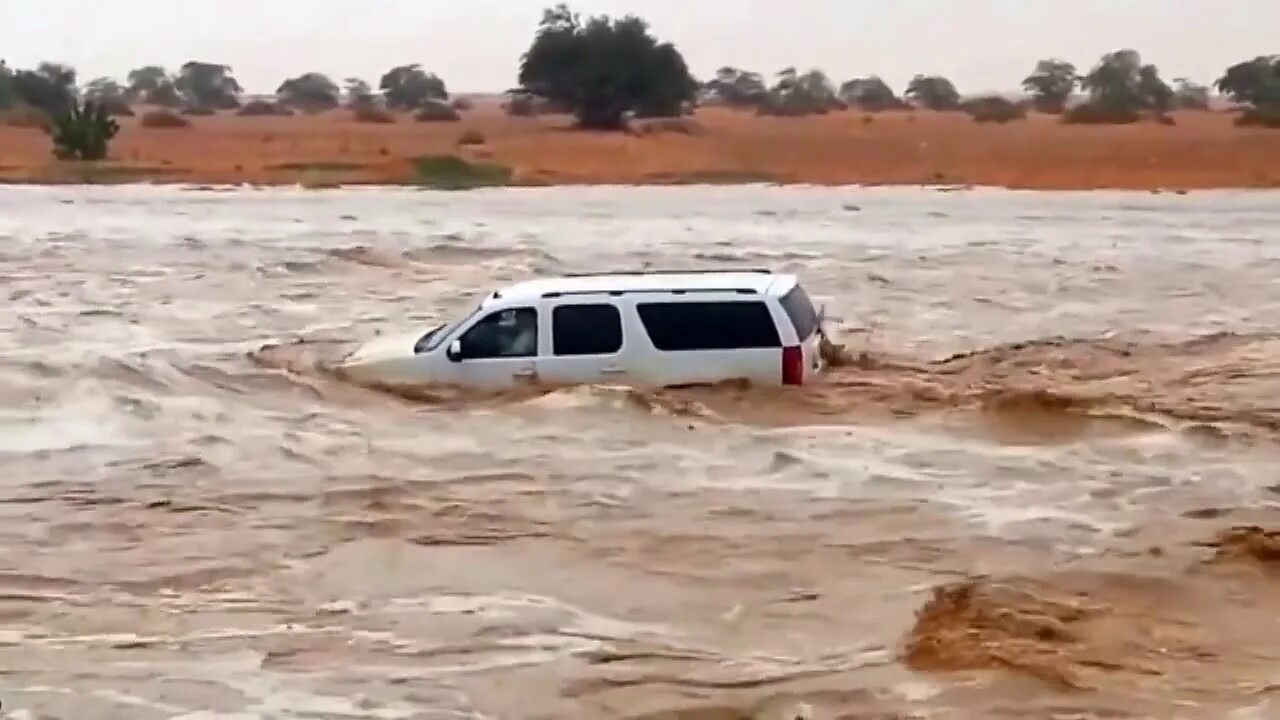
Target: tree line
x,y
605,71
203,88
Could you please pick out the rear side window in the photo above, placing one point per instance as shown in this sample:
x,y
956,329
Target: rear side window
x,y
800,310
586,330
708,325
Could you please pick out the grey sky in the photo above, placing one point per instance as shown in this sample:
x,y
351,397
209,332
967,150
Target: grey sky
x,y
475,44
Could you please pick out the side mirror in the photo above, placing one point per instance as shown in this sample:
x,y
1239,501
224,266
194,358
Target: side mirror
x,y
454,351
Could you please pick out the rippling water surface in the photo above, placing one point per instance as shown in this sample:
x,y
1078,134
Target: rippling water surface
x,y
1016,500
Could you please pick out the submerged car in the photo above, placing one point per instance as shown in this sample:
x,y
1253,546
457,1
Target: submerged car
x,y
640,329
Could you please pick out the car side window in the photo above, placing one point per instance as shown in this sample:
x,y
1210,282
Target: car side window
x,y
727,325
594,329
508,333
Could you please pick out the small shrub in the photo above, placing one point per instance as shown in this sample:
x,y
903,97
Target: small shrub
x,y
462,104
82,132
520,106
25,116
116,106
376,115
263,108
868,119
163,119
654,126
471,136
994,108
1264,117
1094,114
434,111
1166,120
450,172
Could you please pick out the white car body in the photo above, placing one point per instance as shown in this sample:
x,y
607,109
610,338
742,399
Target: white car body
x,y
642,329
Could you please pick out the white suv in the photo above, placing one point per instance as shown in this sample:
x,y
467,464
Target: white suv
x,y
641,329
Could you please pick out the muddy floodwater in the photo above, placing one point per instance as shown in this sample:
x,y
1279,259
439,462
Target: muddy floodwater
x,y
1042,484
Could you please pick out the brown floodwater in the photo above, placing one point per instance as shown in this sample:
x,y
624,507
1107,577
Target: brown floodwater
x,y
1041,482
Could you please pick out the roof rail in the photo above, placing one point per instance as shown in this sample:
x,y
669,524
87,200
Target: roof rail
x,y
688,271
674,291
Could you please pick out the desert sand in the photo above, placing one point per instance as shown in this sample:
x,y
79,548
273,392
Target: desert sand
x,y
1203,150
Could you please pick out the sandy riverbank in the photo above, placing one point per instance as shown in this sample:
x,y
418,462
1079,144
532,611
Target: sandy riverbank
x,y
1204,150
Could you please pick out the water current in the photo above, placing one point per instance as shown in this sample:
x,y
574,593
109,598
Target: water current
x,y
1041,486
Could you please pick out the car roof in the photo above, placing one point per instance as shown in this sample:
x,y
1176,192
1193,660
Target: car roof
x,y
759,282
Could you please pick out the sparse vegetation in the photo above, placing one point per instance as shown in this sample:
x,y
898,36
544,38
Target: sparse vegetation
x,y
263,108
471,136
613,74
163,120
371,114
450,172
520,104
436,111
25,116
994,109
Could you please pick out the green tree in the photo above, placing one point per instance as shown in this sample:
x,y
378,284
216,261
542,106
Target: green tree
x,y
1122,82
1155,92
103,87
208,86
50,88
310,92
109,94
604,68
1253,82
358,93
870,94
7,96
154,86
1051,85
737,88
1190,96
796,93
933,92
409,87
1120,87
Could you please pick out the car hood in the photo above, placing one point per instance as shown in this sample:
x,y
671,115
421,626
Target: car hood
x,y
397,346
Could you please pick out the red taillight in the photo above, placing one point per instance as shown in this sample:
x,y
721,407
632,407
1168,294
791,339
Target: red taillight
x,y
792,365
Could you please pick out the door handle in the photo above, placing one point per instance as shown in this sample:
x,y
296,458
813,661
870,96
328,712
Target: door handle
x,y
525,373
612,371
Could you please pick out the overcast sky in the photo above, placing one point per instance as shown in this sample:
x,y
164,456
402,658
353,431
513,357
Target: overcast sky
x,y
475,45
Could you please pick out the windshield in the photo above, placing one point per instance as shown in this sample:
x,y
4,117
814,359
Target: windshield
x,y
432,339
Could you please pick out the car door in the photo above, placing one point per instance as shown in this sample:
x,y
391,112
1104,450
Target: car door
x,y
498,351
587,344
